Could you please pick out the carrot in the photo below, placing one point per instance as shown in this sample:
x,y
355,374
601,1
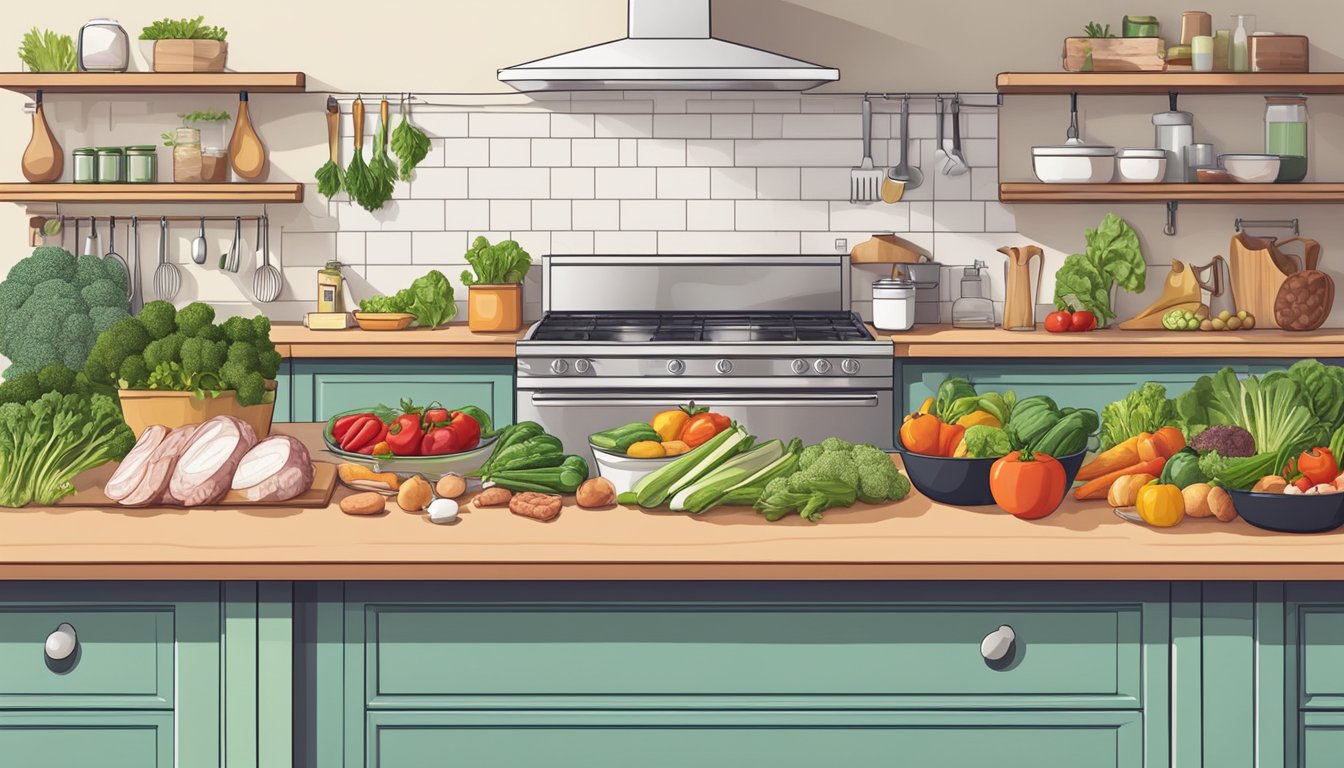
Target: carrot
x,y
1096,489
1121,455
1172,440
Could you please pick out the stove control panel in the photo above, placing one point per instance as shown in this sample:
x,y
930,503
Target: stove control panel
x,y
559,367
798,366
676,367
850,366
724,366
822,366
709,367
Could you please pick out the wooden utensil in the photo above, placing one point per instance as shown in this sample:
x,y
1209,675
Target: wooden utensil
x,y
1180,291
331,176
247,154
1259,269
886,249
43,160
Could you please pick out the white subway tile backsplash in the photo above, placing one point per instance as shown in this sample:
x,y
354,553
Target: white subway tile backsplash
x,y
625,243
571,126
958,216
593,153
597,214
571,183
873,217
396,216
947,187
777,183
921,216
629,152
467,153
984,183
535,243
849,126
603,107
999,218
439,248
653,214
681,126
550,153
709,152
806,152
510,152
570,242
466,214
509,183
715,105
981,153
551,215
767,126
782,215
623,126
825,184
683,183
388,248
510,214
663,152
710,215
732,183
439,183
626,183
730,126
509,124
779,104
981,126
314,249
441,124
729,242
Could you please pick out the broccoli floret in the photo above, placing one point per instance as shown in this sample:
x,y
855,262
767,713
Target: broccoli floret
x,y
160,318
194,318
835,444
167,349
211,333
252,389
776,486
809,456
23,388
239,329
126,337
269,363
46,263
833,465
261,327
58,378
202,356
102,318
104,293
134,374
881,482
90,269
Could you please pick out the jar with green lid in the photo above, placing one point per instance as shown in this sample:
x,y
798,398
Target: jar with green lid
x,y
86,165
110,165
142,165
1141,26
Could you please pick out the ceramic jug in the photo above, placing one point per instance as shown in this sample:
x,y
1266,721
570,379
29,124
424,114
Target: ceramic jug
x,y
1019,295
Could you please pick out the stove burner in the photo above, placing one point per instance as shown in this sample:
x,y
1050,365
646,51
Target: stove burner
x,y
704,327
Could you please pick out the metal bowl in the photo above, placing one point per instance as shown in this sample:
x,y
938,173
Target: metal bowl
x,y
964,482
1290,514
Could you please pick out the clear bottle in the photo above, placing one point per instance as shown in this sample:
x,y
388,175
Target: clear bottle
x,y
187,156
973,309
1239,55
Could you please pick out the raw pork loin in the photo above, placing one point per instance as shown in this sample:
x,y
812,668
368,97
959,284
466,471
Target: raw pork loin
x,y
153,487
132,468
205,470
276,469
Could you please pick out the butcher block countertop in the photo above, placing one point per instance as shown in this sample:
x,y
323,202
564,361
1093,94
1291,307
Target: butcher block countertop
x,y
944,341
453,340
914,539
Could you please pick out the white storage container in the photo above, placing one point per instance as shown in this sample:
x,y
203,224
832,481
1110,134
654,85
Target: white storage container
x,y
1140,165
104,47
893,304
1073,163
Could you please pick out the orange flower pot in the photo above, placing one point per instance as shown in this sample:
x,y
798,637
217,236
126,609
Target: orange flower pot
x,y
142,408
494,308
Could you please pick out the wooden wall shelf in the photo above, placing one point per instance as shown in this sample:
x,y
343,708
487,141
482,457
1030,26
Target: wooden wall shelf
x,y
1164,82
1035,192
153,82
240,192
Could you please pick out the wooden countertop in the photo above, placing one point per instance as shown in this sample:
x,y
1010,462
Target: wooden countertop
x,y
914,539
453,340
944,341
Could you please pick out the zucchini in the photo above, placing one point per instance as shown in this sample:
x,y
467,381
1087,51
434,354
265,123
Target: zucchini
x,y
620,438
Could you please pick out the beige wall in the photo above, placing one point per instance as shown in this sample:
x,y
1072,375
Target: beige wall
x,y
879,46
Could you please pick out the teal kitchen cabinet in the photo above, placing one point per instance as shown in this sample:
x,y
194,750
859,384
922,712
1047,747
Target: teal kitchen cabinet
x,y
81,739
284,392
322,388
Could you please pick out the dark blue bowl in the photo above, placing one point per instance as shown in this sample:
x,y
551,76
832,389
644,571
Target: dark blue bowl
x,y
1290,514
964,482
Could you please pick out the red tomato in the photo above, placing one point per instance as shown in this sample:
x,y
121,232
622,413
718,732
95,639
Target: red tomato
x,y
403,435
461,433
1029,487
1082,320
702,427
436,415
1058,322
1318,465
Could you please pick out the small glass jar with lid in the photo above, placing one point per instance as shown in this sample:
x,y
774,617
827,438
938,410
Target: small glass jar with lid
x,y
214,165
1286,134
85,165
187,156
111,162
142,164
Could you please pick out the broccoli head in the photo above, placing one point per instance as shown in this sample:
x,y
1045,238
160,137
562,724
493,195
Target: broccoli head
x,y
58,378
167,349
879,482
134,374
53,305
195,318
238,329
261,325
809,456
834,444
159,318
23,388
269,363
126,337
832,465
202,355
252,389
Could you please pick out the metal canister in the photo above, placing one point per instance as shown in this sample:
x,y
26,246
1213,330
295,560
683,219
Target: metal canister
x,y
111,162
142,164
85,165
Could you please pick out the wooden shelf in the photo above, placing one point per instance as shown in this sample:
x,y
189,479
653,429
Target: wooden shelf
x,y
1036,192
153,82
239,192
946,342
1163,82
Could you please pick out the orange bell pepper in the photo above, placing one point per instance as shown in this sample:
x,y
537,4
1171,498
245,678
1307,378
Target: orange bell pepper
x,y
920,433
948,437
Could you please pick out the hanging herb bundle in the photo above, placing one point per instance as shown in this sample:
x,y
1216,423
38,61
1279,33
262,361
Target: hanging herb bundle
x,y
382,171
357,176
409,144
331,176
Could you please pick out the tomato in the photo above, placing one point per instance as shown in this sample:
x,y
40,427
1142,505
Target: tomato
x,y
458,433
403,434
435,416
920,433
1028,488
1058,322
702,427
1318,465
1304,484
1082,320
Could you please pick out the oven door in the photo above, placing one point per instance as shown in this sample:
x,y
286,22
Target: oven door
x,y
861,416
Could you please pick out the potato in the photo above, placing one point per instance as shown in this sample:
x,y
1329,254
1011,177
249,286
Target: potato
x,y
1196,498
1124,492
450,486
363,504
415,494
1220,501
1269,484
597,492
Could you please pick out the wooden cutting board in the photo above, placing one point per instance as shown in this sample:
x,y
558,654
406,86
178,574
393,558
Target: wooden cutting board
x,y
89,491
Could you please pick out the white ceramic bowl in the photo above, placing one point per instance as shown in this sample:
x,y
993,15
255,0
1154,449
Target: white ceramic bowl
x,y
1251,169
624,471
1140,165
1073,163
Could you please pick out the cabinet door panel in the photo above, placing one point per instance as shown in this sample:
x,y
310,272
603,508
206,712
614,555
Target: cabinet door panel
x,y
323,388
81,739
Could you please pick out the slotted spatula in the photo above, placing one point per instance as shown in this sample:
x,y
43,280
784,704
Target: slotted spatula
x,y
865,181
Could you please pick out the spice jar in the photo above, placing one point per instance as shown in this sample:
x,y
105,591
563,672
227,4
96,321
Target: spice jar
x,y
893,304
141,165
110,165
330,296
187,156
86,165
214,165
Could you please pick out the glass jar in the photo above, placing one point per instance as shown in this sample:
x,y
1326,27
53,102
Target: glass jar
x,y
142,165
1286,126
1141,26
86,165
214,165
893,304
111,161
187,156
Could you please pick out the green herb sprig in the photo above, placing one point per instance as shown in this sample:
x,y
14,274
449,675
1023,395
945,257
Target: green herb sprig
x,y
183,29
1093,29
47,51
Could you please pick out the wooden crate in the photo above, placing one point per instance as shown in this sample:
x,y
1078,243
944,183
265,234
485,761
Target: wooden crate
x,y
1114,54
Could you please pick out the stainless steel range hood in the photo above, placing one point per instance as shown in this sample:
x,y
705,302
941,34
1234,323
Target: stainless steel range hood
x,y
669,47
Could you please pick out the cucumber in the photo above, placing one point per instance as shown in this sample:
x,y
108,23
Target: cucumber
x,y
620,438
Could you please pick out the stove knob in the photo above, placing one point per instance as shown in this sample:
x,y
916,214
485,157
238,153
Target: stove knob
x,y
582,365
724,366
559,367
850,366
676,367
822,366
799,366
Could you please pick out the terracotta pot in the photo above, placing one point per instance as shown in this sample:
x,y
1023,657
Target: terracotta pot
x,y
144,407
494,308
190,55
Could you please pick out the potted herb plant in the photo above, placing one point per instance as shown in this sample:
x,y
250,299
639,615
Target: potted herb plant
x,y
495,290
191,162
47,51
185,45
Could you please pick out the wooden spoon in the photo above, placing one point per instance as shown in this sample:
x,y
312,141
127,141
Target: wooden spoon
x,y
247,154
43,160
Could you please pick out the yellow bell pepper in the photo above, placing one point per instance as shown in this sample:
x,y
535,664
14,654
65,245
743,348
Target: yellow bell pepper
x,y
668,424
1161,506
979,418
927,407
646,449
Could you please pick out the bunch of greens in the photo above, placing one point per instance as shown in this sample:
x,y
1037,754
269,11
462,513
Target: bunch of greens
x,y
429,298
199,116
952,390
183,29
53,305
163,348
1146,409
1093,29
46,51
504,263
833,473
44,444
740,480
409,144
1113,255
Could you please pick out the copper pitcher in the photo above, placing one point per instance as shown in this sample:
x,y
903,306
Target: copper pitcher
x,y
1019,298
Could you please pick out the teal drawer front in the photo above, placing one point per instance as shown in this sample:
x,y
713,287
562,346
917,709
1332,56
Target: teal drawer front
x,y
82,739
124,657
284,393
323,388
916,654
1322,739
1316,627
736,739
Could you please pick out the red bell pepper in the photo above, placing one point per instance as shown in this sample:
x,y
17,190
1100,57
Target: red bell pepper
x,y
702,427
460,433
403,435
341,427
362,433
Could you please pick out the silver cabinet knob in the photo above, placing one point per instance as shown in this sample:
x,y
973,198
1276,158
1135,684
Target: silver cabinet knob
x,y
799,366
998,643
850,366
724,366
559,366
582,365
61,643
676,367
822,366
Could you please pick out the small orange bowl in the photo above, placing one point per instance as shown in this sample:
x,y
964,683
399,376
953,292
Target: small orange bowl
x,y
384,321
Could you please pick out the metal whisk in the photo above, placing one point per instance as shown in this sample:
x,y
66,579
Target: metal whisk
x,y
167,278
266,281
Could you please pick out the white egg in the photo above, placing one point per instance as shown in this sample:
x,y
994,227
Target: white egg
x,y
443,511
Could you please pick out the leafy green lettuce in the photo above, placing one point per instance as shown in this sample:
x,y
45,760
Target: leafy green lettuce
x,y
1323,387
429,298
1273,408
1113,255
1146,409
952,389
504,263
